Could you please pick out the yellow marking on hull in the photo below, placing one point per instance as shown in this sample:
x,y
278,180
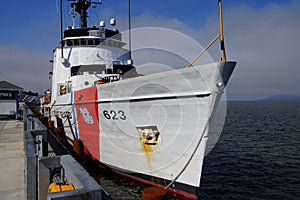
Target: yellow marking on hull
x,y
148,152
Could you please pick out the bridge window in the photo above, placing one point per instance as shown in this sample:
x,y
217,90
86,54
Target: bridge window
x,y
90,69
76,42
97,42
69,43
84,42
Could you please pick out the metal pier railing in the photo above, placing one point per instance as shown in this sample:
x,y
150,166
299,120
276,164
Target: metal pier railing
x,y
39,165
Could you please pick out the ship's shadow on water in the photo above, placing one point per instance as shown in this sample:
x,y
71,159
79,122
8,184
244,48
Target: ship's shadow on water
x,y
257,155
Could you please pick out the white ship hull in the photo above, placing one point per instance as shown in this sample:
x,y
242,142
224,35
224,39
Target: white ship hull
x,y
153,125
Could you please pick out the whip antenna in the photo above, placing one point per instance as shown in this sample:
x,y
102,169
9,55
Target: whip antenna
x,y
61,30
129,31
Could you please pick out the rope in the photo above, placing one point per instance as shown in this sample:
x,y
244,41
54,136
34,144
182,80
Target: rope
x,y
203,50
198,143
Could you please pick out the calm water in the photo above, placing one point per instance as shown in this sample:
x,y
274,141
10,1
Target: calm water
x,y
258,153
256,157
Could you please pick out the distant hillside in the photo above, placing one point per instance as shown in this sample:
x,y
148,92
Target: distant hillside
x,y
282,98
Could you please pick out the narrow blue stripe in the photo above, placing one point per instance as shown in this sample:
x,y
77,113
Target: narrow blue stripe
x,y
74,115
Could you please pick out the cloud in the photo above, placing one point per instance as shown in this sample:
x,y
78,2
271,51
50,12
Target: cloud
x,y
25,67
263,41
265,44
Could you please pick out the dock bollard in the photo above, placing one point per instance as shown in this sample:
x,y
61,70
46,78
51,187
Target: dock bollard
x,y
154,193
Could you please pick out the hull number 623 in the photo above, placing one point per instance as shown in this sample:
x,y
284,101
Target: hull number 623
x,y
114,115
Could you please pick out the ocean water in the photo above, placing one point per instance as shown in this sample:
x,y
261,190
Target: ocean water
x,y
257,156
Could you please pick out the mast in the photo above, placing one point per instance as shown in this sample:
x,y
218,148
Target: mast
x,y
223,58
219,36
81,7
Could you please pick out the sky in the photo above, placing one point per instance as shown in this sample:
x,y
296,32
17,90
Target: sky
x,y
261,35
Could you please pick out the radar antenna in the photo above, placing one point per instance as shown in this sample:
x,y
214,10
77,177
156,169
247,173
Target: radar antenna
x,y
81,7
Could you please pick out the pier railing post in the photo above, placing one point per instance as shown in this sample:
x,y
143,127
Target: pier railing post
x,y
30,176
